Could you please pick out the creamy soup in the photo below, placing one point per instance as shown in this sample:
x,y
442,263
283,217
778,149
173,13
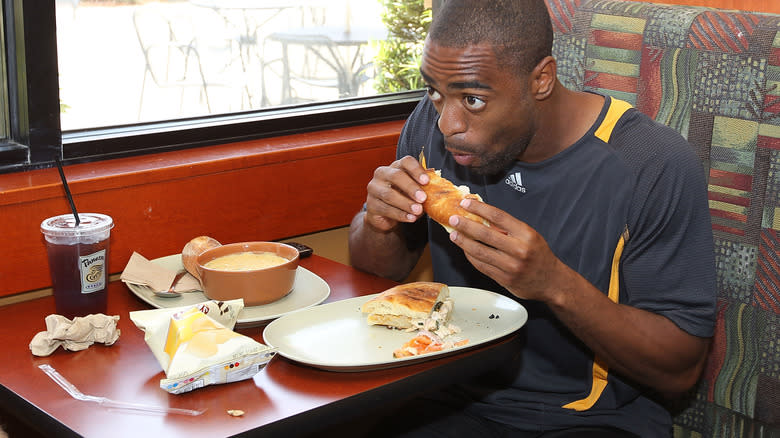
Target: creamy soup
x,y
246,261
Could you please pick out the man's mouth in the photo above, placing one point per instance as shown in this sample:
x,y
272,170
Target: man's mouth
x,y
464,159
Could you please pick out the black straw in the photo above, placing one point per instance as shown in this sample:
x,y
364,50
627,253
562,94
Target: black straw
x,y
67,190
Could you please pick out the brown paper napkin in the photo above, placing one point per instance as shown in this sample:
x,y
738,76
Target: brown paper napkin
x,y
142,272
75,335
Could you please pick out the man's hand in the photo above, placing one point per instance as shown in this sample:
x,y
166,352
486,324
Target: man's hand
x,y
509,251
394,194
644,346
376,242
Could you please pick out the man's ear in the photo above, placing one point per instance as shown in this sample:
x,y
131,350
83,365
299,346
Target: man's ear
x,y
543,78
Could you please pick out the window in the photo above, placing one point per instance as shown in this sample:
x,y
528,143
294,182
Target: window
x,y
137,76
3,88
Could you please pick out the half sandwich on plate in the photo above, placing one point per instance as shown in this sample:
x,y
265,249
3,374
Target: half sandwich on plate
x,y
420,305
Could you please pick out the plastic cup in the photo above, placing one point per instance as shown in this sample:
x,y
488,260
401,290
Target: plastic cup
x,y
78,261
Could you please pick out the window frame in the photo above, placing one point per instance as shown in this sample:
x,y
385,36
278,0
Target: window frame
x,y
35,134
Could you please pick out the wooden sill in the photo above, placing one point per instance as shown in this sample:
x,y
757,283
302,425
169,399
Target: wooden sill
x,y
266,189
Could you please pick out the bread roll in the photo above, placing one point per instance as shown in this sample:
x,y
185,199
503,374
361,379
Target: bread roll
x,y
194,248
443,200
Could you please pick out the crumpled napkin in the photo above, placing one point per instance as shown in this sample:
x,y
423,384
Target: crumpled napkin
x,y
75,335
142,272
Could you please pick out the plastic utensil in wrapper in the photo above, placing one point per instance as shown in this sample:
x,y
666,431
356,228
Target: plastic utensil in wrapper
x,y
112,404
196,346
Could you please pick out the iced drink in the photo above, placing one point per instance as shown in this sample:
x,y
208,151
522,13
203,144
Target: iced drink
x,y
78,261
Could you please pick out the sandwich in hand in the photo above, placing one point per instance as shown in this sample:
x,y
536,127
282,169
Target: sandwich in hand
x,y
443,200
411,306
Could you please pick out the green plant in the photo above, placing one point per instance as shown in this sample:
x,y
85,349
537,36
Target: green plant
x,y
398,58
64,107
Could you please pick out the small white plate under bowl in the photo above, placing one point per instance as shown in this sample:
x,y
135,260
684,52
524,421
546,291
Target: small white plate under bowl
x,y
309,290
336,337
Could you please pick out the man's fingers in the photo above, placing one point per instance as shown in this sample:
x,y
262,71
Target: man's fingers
x,y
410,177
498,219
487,259
381,207
385,200
394,193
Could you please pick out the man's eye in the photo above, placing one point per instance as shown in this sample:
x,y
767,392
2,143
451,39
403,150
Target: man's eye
x,y
474,103
433,94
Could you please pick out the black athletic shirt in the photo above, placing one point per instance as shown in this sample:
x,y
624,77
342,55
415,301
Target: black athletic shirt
x,y
626,207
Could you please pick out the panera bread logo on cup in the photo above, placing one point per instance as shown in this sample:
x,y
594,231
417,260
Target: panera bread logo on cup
x,y
93,272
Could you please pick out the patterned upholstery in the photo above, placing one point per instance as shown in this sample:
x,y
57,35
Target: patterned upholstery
x,y
714,76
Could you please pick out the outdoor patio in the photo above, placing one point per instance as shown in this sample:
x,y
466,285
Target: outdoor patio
x,y
121,64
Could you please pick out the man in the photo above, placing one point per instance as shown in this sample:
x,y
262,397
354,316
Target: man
x,y
599,226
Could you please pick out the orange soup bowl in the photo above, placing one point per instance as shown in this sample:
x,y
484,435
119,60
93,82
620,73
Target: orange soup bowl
x,y
255,286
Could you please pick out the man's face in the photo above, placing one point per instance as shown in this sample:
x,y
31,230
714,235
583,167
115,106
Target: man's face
x,y
485,111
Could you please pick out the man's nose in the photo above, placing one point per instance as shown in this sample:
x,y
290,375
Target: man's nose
x,y
451,121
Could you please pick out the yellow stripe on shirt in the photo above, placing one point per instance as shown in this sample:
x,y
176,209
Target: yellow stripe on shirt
x,y
600,369
616,109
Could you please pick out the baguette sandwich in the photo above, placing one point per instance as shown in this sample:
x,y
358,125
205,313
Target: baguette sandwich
x,y
443,200
411,306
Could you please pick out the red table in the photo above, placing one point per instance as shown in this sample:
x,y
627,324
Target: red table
x,y
284,399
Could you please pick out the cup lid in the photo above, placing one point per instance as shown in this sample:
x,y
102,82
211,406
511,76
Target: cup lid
x,y
65,225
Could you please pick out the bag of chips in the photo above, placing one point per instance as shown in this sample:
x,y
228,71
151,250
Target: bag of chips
x,y
196,346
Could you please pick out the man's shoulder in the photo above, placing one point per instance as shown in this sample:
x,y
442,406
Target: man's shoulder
x,y
418,129
634,125
641,140
423,115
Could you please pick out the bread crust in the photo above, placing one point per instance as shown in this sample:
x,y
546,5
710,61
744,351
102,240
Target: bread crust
x,y
443,200
411,300
194,248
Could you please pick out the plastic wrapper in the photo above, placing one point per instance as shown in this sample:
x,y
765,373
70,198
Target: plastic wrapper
x,y
196,346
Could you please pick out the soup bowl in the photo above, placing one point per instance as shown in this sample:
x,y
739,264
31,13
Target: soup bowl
x,y
257,286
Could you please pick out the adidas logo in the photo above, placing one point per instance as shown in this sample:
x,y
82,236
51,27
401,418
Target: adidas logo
x,y
515,181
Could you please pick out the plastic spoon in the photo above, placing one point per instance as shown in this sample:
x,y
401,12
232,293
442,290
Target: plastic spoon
x,y
171,292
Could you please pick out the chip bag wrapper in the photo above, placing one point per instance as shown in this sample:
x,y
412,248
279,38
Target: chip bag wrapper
x,y
196,345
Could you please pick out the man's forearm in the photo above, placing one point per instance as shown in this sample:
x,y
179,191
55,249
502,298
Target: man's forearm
x,y
380,253
643,346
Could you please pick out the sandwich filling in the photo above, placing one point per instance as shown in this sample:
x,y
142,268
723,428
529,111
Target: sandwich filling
x,y
426,342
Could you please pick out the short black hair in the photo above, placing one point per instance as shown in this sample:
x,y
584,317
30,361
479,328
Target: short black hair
x,y
520,31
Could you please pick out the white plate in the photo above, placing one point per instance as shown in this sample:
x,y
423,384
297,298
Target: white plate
x,y
336,337
309,290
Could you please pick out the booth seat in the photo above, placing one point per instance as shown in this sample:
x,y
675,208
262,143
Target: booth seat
x,y
714,76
